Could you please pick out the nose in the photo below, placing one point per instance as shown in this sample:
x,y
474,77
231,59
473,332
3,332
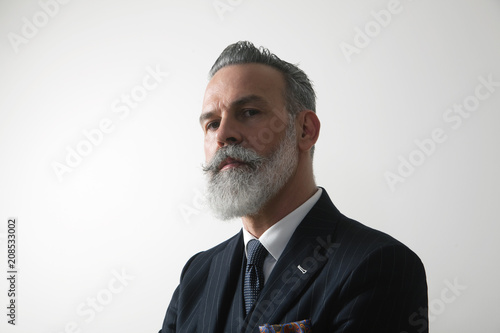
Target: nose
x,y
228,133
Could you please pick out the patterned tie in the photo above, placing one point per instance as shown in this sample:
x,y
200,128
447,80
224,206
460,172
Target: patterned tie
x,y
254,274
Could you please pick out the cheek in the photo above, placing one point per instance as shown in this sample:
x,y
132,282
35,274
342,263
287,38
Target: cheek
x,y
267,139
208,149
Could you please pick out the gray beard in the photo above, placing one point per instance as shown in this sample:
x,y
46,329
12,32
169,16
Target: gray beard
x,y
243,191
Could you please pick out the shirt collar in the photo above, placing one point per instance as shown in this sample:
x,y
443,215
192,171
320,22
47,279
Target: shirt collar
x,y
277,236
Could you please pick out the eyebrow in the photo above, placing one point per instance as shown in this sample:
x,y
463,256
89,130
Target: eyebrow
x,y
239,102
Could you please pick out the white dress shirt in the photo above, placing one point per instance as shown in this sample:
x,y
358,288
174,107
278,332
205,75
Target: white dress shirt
x,y
277,236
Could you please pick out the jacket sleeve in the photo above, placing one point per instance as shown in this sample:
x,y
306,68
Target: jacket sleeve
x,y
387,292
170,321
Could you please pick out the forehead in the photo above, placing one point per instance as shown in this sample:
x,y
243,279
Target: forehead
x,y
236,81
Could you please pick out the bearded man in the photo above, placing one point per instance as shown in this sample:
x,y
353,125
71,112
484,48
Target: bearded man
x,y
298,264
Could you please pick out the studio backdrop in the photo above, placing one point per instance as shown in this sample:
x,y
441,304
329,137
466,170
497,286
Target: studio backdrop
x,y
101,188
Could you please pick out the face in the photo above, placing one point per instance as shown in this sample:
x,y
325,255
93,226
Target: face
x,y
244,105
250,142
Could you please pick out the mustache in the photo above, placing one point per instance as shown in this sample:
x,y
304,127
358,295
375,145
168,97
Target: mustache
x,y
246,155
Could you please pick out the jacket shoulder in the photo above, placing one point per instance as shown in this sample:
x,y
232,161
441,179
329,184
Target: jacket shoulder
x,y
202,260
354,241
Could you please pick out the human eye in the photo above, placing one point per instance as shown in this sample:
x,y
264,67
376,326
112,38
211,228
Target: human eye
x,y
250,112
213,125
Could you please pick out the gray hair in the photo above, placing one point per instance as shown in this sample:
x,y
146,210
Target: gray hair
x,y
299,92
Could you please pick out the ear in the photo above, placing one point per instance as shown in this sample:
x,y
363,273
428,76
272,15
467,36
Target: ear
x,y
308,132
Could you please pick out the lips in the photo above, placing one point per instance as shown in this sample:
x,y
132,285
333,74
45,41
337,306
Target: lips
x,y
230,163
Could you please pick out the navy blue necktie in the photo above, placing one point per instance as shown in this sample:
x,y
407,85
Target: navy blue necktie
x,y
254,273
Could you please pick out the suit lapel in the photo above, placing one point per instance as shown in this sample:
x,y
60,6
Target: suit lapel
x,y
222,282
309,247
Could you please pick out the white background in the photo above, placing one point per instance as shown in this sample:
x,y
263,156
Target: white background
x,y
131,206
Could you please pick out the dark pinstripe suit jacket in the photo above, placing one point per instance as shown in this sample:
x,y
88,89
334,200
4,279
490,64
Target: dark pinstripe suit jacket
x,y
340,274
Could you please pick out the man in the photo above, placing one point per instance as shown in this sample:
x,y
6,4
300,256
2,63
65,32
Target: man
x,y
297,262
